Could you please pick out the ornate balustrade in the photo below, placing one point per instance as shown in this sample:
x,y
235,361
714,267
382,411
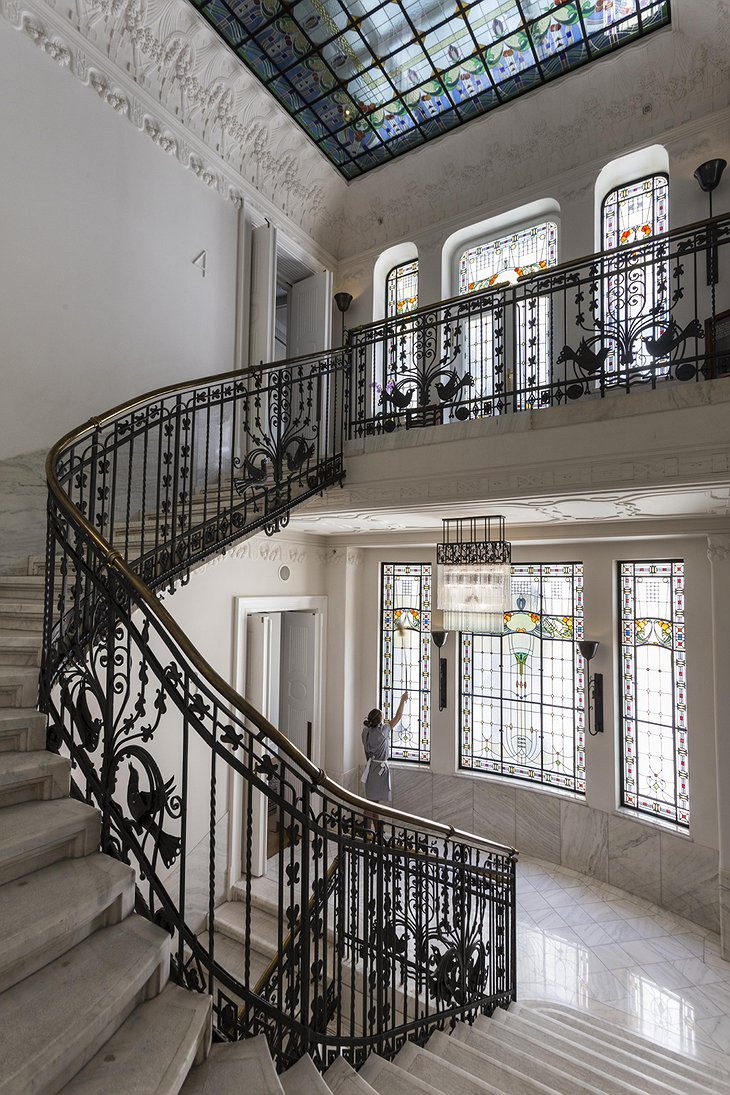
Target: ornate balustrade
x,y
636,317
381,936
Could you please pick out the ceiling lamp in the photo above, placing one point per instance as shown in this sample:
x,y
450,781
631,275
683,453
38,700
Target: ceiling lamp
x,y
473,568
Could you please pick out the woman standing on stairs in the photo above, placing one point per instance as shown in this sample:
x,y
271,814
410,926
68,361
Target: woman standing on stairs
x,y
375,742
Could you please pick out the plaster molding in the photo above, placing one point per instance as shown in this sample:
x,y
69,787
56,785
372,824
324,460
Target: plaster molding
x,y
158,64
718,549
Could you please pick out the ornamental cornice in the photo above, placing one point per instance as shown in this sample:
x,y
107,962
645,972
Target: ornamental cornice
x,y
156,63
718,548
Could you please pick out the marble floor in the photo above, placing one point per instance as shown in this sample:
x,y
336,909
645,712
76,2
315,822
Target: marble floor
x,y
584,943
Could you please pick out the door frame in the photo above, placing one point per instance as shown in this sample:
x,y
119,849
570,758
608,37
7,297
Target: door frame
x,y
242,607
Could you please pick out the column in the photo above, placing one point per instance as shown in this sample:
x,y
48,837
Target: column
x,y
718,552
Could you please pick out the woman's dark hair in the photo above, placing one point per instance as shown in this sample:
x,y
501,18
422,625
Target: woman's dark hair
x,y
375,717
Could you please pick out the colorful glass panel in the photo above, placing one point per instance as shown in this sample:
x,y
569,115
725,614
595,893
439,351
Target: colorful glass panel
x,y
405,657
401,290
396,73
655,769
525,252
523,691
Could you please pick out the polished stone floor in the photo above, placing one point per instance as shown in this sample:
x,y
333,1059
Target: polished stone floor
x,y
589,945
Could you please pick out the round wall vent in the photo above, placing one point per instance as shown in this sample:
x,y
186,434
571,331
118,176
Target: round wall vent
x,y
284,573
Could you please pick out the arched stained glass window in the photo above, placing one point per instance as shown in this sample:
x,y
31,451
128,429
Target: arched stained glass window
x,y
405,657
636,289
497,364
401,290
523,691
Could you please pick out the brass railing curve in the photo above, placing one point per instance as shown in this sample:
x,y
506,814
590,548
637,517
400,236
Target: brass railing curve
x,y
137,497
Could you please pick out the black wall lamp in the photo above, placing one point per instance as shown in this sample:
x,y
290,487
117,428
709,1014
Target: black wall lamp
x,y
343,302
439,638
708,175
595,688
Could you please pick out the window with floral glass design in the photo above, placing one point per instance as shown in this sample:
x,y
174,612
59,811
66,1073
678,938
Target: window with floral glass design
x,y
401,297
523,692
655,757
495,364
405,657
401,290
636,294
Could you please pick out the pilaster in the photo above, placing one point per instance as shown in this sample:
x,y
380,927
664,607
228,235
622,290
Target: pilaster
x,y
718,552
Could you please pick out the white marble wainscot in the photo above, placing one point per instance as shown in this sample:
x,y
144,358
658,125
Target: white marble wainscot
x,y
538,825
690,882
349,780
725,913
633,858
495,812
413,790
584,839
453,801
22,511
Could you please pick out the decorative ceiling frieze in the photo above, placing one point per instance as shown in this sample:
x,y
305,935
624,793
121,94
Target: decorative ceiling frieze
x,y
160,66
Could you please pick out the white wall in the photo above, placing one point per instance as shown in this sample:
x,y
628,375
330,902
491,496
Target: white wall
x,y
100,300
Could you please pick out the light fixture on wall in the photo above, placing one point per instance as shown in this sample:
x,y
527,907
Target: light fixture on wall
x,y
343,302
708,175
473,568
439,637
594,689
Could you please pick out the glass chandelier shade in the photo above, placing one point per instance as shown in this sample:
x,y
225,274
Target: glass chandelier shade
x,y
473,567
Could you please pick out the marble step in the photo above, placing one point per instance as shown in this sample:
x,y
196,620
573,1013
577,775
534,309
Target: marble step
x,y
20,648
22,729
18,686
549,1066
33,777
22,587
235,1068
230,920
153,1050
46,913
342,1079
560,1018
21,616
53,1022
455,1069
229,953
555,1046
390,1078
36,834
304,1078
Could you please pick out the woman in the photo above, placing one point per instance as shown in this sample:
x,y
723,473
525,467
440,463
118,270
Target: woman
x,y
375,742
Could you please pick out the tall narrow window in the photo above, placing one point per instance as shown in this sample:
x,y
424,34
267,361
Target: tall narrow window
x,y
655,764
401,297
405,657
488,350
523,691
636,308
401,290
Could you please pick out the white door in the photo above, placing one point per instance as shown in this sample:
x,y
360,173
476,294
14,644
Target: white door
x,y
310,315
263,295
297,684
258,692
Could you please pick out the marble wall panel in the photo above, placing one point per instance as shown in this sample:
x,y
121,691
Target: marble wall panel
x,y
633,858
453,801
690,882
413,790
584,839
725,914
495,812
538,825
22,511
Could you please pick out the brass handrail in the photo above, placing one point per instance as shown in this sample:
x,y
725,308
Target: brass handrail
x,y
115,560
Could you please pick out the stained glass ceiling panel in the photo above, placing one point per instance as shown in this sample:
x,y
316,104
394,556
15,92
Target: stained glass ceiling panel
x,y
370,79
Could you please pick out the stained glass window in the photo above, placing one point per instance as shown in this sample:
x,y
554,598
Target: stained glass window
x,y
401,290
370,80
636,277
405,657
487,348
523,691
655,766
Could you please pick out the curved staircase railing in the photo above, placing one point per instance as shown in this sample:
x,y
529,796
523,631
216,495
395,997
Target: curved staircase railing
x,y
382,935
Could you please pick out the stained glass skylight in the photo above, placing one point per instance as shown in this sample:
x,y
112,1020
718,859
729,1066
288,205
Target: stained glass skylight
x,y
371,79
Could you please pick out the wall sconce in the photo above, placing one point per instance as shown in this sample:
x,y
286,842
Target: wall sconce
x,y
708,175
343,302
439,638
595,688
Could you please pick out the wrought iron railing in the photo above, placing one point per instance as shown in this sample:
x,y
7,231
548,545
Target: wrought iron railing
x,y
382,936
636,317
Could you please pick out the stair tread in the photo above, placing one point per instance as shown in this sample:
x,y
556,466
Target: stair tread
x,y
28,640
303,1078
36,774
50,910
230,920
19,764
33,828
636,1067
342,1079
453,1064
153,1050
389,1078
54,1021
21,715
235,1067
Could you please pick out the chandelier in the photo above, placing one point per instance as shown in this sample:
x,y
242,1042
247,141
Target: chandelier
x,y
473,569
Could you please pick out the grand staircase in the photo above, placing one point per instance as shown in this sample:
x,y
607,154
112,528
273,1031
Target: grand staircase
x,y
85,1001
